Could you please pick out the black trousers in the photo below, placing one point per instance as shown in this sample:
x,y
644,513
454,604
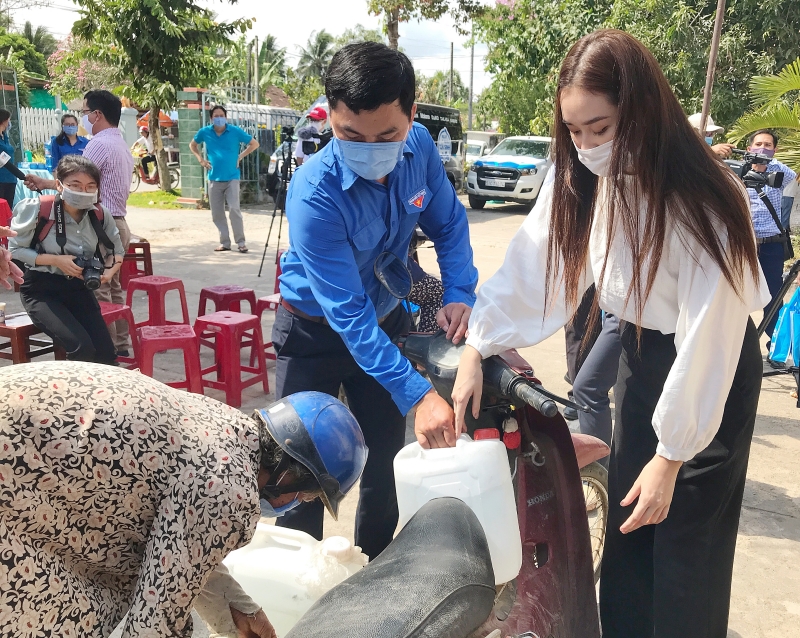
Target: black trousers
x,y
312,356
674,579
575,333
7,190
69,314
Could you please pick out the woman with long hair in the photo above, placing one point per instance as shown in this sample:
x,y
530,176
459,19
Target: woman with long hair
x,y
640,206
67,142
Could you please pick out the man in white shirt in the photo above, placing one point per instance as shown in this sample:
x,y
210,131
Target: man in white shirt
x,y
318,117
146,142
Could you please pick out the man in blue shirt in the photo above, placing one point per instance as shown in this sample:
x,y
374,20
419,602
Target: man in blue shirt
x,y
768,236
361,196
223,143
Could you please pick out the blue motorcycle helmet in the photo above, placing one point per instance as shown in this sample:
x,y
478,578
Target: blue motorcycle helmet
x,y
318,431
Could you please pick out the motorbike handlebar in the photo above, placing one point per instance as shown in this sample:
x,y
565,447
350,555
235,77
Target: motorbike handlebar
x,y
535,399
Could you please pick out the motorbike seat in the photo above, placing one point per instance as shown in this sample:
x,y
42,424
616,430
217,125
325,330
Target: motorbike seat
x,y
435,580
588,449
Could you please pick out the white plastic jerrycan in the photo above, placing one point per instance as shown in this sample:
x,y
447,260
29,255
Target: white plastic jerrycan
x,y
286,571
476,472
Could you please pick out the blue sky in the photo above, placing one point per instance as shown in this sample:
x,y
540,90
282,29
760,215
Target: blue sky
x,y
427,43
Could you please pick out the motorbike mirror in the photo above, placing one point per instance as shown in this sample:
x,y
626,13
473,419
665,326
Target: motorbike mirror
x,y
393,274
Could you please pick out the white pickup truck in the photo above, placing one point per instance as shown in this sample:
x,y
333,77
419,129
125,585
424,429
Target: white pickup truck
x,y
513,171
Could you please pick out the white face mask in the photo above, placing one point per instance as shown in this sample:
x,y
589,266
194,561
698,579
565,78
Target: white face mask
x,y
81,201
596,159
87,125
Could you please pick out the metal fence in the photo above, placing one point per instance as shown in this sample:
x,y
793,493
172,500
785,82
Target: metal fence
x,y
262,122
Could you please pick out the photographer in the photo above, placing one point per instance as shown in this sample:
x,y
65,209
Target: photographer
x,y
318,117
60,261
768,236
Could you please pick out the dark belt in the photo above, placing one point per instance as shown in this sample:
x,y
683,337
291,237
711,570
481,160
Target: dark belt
x,y
770,240
320,320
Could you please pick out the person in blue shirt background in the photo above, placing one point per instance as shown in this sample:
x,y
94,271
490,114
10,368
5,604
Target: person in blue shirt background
x,y
223,143
768,235
68,142
8,182
358,197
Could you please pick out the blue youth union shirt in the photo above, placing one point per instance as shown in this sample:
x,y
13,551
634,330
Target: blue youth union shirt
x,y
223,150
338,225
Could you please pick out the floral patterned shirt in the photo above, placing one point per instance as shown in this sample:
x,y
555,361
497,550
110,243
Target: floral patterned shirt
x,y
117,494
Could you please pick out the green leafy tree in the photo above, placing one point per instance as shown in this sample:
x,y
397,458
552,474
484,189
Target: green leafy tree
x,y
358,33
776,105
302,92
316,55
397,11
41,39
436,88
157,46
272,62
19,48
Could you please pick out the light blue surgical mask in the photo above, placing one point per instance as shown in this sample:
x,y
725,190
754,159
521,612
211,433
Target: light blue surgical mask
x,y
267,511
371,160
709,140
219,122
70,129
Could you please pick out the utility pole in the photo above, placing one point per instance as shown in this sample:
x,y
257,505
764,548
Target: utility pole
x,y
712,64
256,71
471,81
450,92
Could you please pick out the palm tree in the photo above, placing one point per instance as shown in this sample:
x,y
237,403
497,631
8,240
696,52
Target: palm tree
x,y
41,39
271,55
316,56
776,105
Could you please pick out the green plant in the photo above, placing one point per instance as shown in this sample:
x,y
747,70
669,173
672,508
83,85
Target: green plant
x,y
776,105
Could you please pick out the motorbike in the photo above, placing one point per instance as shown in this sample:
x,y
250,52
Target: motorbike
x,y
435,578
140,175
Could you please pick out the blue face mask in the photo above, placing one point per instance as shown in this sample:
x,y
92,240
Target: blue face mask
x,y
371,160
70,130
267,511
219,122
709,140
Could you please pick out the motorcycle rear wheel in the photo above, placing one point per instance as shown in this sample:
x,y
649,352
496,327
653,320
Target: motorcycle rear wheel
x,y
595,490
174,179
135,180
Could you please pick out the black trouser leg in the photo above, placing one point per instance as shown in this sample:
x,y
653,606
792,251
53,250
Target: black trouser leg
x,y
595,379
674,579
313,357
69,314
575,334
7,191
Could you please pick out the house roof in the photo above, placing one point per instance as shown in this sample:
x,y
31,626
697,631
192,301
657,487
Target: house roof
x,y
276,97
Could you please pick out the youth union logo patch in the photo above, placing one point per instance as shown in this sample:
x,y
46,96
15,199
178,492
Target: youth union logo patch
x,y
418,199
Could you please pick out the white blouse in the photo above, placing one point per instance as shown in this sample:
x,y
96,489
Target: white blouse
x,y
690,298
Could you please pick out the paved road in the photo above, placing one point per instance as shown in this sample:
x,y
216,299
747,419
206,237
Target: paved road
x,y
766,588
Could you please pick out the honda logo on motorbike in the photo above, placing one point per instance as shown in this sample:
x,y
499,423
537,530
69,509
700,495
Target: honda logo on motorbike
x,y
541,498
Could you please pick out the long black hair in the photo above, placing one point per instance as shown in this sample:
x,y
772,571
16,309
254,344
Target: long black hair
x,y
62,137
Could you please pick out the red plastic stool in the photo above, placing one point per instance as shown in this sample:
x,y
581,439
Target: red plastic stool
x,y
113,312
154,339
226,298
137,262
156,288
232,330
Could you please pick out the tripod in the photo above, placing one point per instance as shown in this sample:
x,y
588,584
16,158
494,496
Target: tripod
x,y
284,177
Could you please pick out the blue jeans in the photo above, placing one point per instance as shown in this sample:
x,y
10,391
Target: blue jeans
x,y
770,256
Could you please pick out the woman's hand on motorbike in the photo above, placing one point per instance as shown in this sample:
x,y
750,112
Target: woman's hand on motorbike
x,y
433,422
255,626
453,319
469,384
654,488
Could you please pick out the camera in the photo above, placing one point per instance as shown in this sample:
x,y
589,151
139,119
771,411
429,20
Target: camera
x,y
92,270
751,178
287,133
309,145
